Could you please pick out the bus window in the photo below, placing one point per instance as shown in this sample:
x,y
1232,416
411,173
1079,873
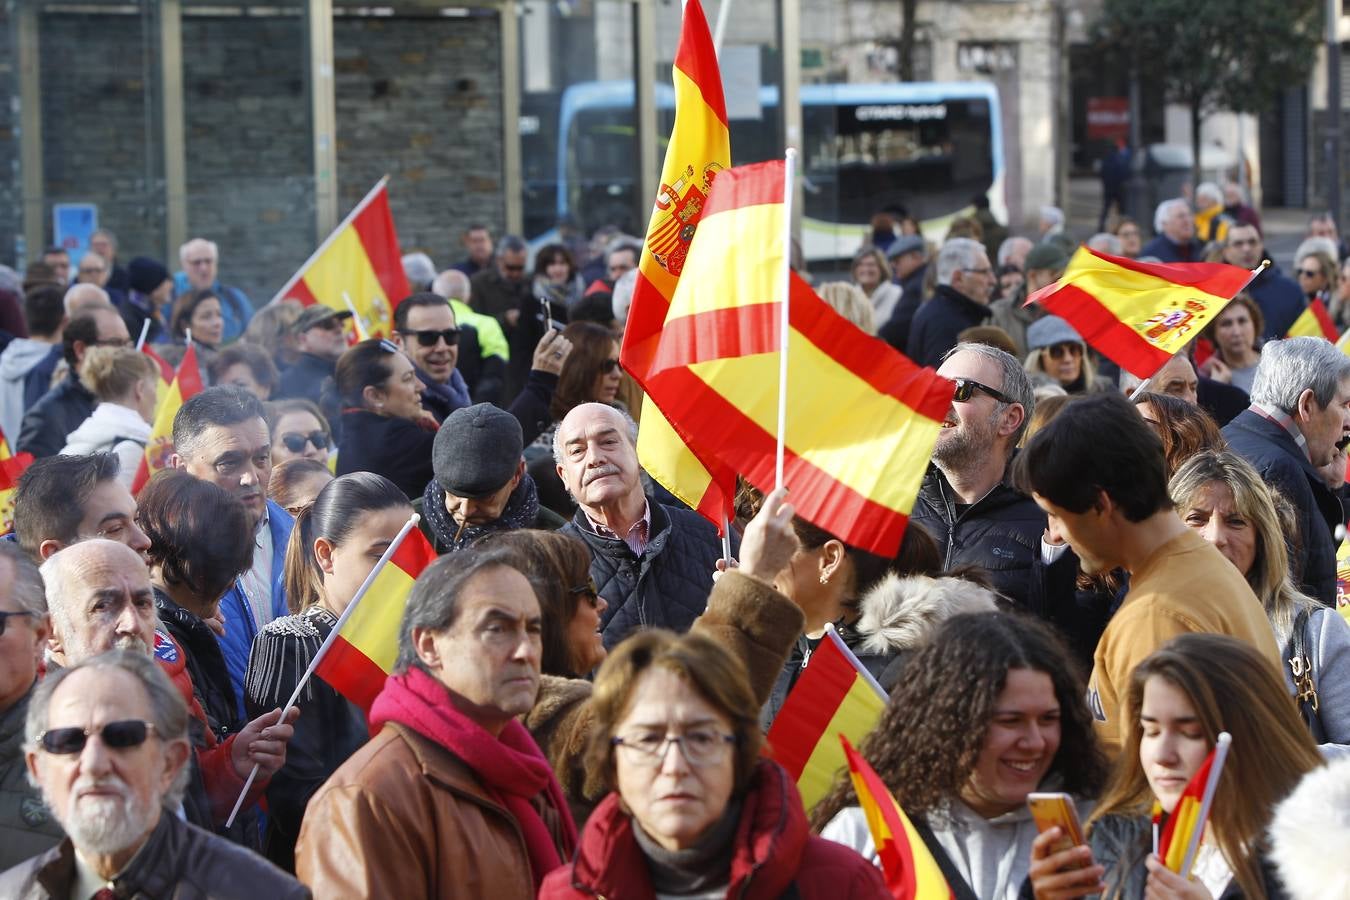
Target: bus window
x,y
601,169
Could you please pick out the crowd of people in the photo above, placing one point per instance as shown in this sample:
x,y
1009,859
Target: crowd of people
x,y
1091,589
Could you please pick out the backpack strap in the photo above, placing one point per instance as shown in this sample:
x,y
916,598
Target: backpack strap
x,y
960,889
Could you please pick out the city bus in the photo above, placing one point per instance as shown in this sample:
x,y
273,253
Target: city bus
x,y
928,147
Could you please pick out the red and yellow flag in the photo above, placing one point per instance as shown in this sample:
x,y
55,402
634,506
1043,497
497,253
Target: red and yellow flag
x,y
1139,314
166,374
1314,321
862,419
187,383
12,465
362,258
911,871
834,695
363,653
1186,820
699,148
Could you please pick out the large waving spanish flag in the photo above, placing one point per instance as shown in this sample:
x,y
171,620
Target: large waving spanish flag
x,y
862,419
12,465
834,695
911,871
360,257
364,650
699,148
1314,321
187,383
1139,314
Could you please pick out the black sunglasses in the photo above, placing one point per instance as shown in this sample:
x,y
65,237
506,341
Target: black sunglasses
x,y
429,337
4,618
120,735
609,365
965,388
295,442
588,588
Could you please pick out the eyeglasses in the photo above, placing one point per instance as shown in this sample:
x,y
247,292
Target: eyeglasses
x,y
4,617
514,270
389,346
429,337
295,441
590,590
1308,273
205,261
701,747
965,389
609,365
92,270
985,271
1059,351
120,735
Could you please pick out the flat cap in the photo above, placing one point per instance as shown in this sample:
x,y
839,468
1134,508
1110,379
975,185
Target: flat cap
x,y
477,450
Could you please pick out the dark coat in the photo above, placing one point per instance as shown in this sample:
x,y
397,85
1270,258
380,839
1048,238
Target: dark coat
x,y
668,586
396,448
530,406
27,826
205,664
1165,250
1281,301
177,862
38,381
775,855
939,321
305,379
895,331
51,420
1284,466
1000,533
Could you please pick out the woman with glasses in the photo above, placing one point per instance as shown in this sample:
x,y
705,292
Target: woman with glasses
x,y
299,431
1059,353
695,811
385,430
333,547
1236,334
126,383
1317,275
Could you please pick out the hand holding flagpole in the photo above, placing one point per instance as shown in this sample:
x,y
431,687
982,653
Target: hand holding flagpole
x,y
1211,785
328,642
784,326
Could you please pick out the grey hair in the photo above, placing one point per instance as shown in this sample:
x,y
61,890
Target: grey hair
x,y
419,269
452,284
1165,209
1005,249
1209,189
433,604
183,250
1016,381
1293,365
29,591
1052,214
631,427
1317,245
512,243
168,712
623,242
1105,242
58,576
957,253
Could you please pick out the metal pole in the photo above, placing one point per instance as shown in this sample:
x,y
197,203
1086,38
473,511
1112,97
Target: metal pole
x,y
512,178
323,114
34,228
175,139
1333,111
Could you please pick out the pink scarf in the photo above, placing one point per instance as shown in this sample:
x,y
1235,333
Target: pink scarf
x,y
511,766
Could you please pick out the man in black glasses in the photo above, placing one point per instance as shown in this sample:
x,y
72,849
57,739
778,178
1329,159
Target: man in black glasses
x,y
107,742
965,283
965,502
501,289
321,342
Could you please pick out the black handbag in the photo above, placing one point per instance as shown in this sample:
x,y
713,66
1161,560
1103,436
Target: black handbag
x,y
1300,666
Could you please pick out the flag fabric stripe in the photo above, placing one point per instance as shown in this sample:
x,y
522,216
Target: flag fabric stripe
x,y
694,60
12,466
856,713
375,226
1314,321
352,674
187,383
300,291
1181,824
1106,333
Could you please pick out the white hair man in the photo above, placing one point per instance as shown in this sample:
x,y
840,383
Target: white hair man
x,y
106,742
965,283
1013,251
1052,221
1175,227
1299,417
200,259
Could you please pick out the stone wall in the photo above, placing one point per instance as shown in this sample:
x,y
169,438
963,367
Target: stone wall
x,y
11,188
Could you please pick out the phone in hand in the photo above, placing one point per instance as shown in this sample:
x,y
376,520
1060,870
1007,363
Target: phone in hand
x,y
1050,810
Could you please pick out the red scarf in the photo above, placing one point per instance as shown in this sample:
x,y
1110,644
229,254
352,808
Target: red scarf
x,y
511,766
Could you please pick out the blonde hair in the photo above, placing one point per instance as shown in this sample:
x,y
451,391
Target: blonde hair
x,y
851,302
112,373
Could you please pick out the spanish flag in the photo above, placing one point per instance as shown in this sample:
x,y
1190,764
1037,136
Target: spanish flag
x,y
364,650
166,374
699,148
862,419
12,465
1314,321
834,695
1186,823
362,258
187,383
911,871
1343,577
1139,314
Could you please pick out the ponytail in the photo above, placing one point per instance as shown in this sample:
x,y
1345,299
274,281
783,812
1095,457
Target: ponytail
x,y
301,576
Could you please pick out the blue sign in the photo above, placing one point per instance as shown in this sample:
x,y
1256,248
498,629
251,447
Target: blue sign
x,y
72,226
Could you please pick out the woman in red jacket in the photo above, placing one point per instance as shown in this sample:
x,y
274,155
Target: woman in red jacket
x,y
695,811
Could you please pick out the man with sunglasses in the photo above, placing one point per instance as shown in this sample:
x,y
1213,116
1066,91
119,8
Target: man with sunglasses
x,y
502,289
321,342
106,741
965,502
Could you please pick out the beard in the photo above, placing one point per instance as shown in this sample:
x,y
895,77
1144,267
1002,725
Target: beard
x,y
964,445
106,824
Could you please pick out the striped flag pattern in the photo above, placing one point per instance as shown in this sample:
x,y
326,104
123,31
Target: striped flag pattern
x,y
186,384
1314,321
12,466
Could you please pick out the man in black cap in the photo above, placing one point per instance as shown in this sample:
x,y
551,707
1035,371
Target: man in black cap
x,y
321,343
150,289
481,485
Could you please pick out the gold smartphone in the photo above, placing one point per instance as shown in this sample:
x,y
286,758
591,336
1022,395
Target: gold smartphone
x,y
1049,810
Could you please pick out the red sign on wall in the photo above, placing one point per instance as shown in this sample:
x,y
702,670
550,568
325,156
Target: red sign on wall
x,y
1108,118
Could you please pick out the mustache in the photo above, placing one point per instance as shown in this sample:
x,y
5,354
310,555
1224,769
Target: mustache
x,y
107,783
600,472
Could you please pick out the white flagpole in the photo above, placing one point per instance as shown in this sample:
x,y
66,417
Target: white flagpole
x,y
720,31
356,211
1212,784
726,540
145,330
784,326
328,642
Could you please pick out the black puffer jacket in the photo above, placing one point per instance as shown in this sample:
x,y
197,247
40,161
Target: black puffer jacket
x,y
1000,533
937,323
51,420
667,587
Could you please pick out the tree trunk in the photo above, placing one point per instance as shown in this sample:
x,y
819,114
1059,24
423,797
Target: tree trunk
x,y
905,48
1195,148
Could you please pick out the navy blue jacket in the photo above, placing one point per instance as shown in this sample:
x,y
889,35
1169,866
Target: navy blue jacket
x,y
1162,248
1284,466
938,322
50,421
1280,299
306,378
398,449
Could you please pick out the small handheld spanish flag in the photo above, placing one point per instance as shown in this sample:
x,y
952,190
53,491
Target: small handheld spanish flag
x,y
1181,835
1314,321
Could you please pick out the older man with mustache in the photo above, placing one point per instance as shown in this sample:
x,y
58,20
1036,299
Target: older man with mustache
x,y
653,563
106,742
